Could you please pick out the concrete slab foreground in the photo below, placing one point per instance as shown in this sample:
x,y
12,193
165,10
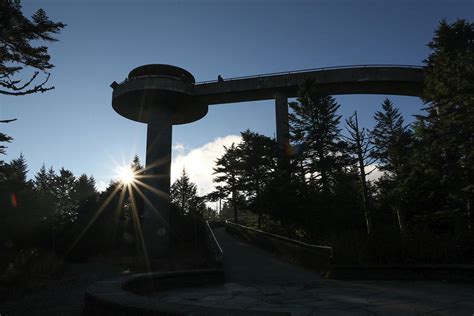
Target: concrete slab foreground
x,y
258,281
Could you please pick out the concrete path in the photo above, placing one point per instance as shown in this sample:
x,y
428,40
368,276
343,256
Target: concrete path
x,y
244,263
257,281
64,297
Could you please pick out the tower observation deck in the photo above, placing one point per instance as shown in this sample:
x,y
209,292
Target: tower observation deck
x,y
165,95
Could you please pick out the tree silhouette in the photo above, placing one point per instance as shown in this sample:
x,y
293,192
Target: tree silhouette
x,y
18,52
257,153
447,131
391,139
314,122
360,146
184,196
228,175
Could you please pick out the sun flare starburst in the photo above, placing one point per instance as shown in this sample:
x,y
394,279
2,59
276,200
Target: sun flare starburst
x,y
126,175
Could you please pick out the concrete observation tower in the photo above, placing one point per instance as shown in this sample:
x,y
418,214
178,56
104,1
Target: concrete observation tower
x,y
160,96
164,95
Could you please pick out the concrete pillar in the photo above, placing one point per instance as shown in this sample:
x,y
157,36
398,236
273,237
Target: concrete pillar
x,y
156,226
282,127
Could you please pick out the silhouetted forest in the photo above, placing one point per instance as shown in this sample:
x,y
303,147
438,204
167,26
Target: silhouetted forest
x,y
58,217
419,210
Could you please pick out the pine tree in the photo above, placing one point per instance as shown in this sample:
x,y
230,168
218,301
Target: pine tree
x,y
228,175
17,39
41,179
17,171
136,166
391,140
4,138
359,145
447,129
84,188
258,163
64,191
183,194
43,186
314,122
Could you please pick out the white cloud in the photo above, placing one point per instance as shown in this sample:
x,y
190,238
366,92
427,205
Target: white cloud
x,y
101,185
199,162
179,147
375,174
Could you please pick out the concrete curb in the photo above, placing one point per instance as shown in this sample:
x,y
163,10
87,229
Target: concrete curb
x,y
436,272
125,295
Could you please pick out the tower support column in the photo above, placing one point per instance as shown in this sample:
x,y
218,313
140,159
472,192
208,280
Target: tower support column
x,y
282,127
156,227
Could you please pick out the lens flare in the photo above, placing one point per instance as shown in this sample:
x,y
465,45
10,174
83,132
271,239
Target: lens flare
x,y
126,175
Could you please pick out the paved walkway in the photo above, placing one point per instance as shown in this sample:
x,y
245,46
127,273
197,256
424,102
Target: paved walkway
x,y
244,263
64,297
259,281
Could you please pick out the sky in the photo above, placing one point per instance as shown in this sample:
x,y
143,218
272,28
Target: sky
x,y
75,127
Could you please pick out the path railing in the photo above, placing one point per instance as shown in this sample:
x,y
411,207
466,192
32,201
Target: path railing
x,y
315,257
214,245
285,239
313,69
281,73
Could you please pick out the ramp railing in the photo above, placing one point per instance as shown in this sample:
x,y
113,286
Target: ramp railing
x,y
214,245
315,257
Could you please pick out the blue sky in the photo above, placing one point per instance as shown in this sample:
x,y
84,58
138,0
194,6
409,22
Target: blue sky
x,y
75,126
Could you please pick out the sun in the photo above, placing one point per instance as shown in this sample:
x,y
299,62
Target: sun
x,y
126,175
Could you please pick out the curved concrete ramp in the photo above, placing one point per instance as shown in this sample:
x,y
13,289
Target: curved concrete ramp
x,y
246,264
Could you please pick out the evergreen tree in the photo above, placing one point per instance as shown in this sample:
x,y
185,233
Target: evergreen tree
x,y
138,171
42,182
136,166
228,175
44,188
4,138
391,140
65,206
258,163
17,171
359,145
84,188
446,132
217,196
18,38
184,196
314,122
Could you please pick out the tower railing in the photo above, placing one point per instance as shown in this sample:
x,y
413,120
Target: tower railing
x,y
282,73
313,69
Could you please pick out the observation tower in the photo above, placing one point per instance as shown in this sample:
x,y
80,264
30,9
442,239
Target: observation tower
x,y
160,96
164,95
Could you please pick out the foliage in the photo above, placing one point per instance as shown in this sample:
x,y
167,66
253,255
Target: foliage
x,y
228,176
18,52
446,132
4,138
184,196
258,165
359,146
315,123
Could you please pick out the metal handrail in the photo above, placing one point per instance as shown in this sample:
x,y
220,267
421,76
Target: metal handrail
x,y
214,239
151,76
283,72
294,241
313,69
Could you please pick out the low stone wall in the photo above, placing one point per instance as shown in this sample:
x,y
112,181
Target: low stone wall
x,y
435,272
215,251
127,296
317,258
